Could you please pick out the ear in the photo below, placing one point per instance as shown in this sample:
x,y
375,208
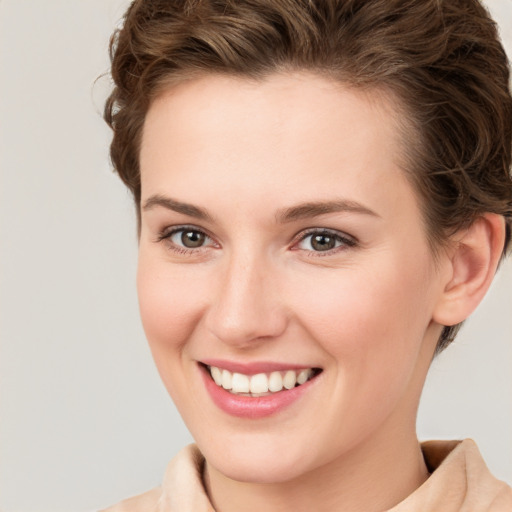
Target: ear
x,y
472,263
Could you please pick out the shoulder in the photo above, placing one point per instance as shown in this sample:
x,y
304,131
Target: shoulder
x,y
182,488
460,473
146,502
502,501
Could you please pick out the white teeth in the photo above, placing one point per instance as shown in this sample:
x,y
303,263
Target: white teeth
x,y
217,375
240,383
227,378
275,383
303,376
289,380
260,383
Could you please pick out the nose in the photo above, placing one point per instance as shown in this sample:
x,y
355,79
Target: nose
x,y
246,307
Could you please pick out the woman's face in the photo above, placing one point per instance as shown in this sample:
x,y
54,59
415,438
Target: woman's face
x,y
281,243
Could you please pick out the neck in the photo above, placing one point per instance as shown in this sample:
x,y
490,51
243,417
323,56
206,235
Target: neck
x,y
370,478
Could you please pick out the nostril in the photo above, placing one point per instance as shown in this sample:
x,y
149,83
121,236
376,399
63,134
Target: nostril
x,y
245,332
245,309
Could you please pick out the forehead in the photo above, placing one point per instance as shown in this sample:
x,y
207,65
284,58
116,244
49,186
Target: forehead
x,y
297,132
287,101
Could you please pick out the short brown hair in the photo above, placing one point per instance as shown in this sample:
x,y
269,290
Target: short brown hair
x,y
441,59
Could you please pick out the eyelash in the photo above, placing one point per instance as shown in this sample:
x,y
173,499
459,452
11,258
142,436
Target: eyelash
x,y
166,235
345,241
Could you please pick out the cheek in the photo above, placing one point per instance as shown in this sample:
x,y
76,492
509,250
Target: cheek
x,y
351,308
372,322
169,305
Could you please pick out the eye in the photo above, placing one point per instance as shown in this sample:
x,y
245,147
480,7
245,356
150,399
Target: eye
x,y
185,239
324,241
189,238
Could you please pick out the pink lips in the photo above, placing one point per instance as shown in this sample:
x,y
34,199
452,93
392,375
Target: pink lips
x,y
252,407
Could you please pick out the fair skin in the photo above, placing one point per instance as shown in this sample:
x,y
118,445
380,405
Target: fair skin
x,y
350,290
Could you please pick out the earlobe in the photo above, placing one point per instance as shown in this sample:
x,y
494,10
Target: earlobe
x,y
473,262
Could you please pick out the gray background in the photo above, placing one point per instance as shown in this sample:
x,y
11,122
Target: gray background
x,y
84,419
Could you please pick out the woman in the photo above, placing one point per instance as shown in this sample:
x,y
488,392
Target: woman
x,y
323,192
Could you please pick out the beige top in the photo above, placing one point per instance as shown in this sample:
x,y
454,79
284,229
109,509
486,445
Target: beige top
x,y
460,482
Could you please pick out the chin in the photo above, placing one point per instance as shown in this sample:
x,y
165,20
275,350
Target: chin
x,y
254,463
271,471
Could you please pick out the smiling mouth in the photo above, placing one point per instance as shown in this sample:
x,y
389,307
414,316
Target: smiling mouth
x,y
260,384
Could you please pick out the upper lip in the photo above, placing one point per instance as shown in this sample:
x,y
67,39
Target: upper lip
x,y
252,368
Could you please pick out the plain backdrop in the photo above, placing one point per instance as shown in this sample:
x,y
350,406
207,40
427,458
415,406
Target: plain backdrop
x,y
84,419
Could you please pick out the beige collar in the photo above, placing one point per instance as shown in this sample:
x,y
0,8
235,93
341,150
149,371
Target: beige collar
x,y
460,482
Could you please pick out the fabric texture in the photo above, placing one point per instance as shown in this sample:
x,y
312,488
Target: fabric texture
x,y
460,482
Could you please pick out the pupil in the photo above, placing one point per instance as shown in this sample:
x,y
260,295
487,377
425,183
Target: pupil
x,y
192,239
323,242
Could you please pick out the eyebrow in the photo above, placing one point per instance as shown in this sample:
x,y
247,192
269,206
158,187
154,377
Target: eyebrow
x,y
315,209
291,214
176,206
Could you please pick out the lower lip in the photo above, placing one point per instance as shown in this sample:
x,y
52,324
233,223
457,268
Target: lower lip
x,y
253,407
